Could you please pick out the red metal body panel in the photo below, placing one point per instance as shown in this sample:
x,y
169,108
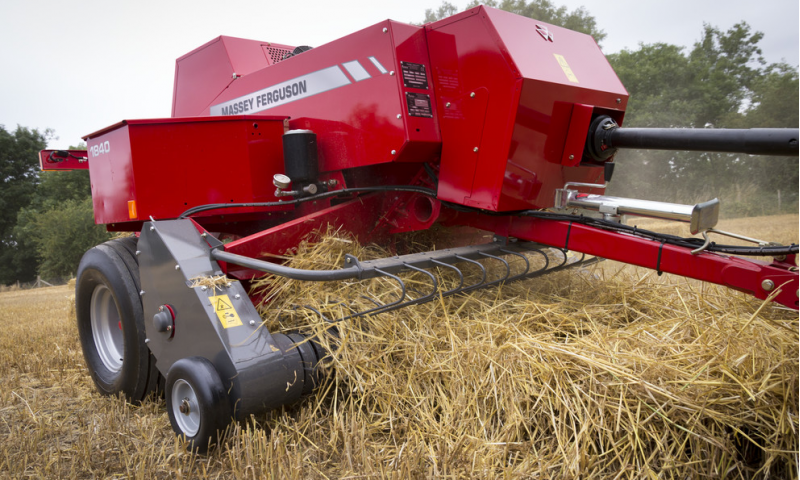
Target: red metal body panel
x,y
169,165
49,162
506,103
204,73
358,110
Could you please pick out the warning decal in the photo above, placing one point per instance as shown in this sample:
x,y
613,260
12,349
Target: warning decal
x,y
225,312
562,62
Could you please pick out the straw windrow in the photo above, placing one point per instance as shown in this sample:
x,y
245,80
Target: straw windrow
x,y
564,375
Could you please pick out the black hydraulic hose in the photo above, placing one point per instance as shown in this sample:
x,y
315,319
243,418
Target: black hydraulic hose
x,y
319,196
755,141
288,272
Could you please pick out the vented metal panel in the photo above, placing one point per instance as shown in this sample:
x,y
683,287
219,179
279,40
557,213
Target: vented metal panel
x,y
276,54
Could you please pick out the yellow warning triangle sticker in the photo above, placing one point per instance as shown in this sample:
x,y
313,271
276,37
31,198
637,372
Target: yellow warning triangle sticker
x,y
225,312
221,305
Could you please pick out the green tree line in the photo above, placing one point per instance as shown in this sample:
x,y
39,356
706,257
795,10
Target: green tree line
x,y
46,218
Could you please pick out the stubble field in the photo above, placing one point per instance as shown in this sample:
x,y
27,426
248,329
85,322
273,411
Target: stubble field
x,y
608,373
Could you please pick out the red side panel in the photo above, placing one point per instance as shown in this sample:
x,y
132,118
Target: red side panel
x,y
204,73
507,88
368,96
166,166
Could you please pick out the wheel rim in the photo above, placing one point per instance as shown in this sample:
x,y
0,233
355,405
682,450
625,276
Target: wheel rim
x,y
185,408
107,328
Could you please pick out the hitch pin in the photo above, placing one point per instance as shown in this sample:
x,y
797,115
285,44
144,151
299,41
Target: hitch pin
x,y
707,242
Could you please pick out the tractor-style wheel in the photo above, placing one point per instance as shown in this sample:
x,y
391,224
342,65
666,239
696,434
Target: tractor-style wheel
x,y
111,323
197,403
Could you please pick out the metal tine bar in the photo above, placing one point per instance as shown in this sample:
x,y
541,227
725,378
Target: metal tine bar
x,y
433,290
333,328
508,269
388,305
523,257
522,275
579,263
541,271
546,258
483,270
460,277
564,254
324,318
377,303
534,250
397,305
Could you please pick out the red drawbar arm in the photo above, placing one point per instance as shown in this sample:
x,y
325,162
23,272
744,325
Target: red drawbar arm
x,y
750,276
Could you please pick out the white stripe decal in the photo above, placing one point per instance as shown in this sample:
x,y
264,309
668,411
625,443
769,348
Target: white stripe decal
x,y
377,64
356,70
282,93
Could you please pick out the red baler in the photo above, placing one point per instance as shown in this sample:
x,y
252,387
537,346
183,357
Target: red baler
x,y
484,119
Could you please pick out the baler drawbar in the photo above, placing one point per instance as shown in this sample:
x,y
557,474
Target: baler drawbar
x,y
479,120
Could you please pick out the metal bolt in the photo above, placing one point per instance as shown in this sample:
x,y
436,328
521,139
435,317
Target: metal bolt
x,y
385,29
475,149
169,328
177,267
204,234
252,322
161,308
447,105
203,288
184,407
572,157
768,285
391,72
348,260
399,116
141,292
394,152
472,95
237,296
619,100
152,228
146,340
138,253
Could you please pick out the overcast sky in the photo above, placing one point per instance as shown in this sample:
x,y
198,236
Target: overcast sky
x,y
78,66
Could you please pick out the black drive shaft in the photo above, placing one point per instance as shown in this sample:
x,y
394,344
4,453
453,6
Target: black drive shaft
x,y
605,137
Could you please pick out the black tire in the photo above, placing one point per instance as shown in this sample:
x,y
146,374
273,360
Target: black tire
x,y
197,403
111,323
